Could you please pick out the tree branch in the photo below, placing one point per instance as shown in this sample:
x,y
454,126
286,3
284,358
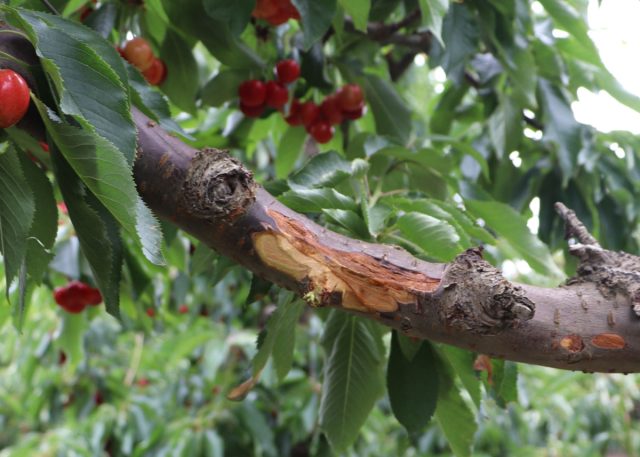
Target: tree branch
x,y
467,303
587,324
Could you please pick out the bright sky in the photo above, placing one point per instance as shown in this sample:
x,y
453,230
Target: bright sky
x,y
615,29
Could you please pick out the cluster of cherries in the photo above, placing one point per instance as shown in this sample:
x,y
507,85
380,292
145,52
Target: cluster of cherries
x,y
76,296
346,103
275,12
138,53
14,98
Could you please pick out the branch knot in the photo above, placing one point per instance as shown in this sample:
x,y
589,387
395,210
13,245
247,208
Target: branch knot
x,y
476,297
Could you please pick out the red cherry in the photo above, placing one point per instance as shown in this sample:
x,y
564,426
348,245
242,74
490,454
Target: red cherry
x,y
14,98
291,10
183,309
70,297
92,296
251,111
321,131
330,110
350,97
277,95
279,18
252,92
156,73
150,312
265,9
139,53
287,71
309,112
293,118
355,114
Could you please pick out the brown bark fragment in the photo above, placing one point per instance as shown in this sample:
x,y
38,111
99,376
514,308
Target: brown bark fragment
x,y
608,341
572,343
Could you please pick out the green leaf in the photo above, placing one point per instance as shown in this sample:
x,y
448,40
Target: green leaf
x,y
89,88
236,13
97,232
280,336
44,228
521,67
190,17
391,113
505,379
462,363
289,150
609,83
433,12
505,126
353,377
182,82
408,346
105,172
316,17
455,419
255,423
359,12
437,238
508,223
412,385
349,220
151,102
212,443
561,128
460,36
569,19
446,109
223,87
103,19
315,200
323,170
17,210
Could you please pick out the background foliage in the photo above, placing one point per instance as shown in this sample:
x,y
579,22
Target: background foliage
x,y
457,149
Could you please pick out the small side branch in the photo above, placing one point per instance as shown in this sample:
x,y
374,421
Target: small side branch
x,y
574,228
612,272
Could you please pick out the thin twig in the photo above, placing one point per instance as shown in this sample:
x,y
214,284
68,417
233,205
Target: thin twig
x,y
574,228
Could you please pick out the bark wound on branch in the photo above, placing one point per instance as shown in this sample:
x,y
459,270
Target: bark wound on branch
x,y
475,297
328,276
612,272
217,188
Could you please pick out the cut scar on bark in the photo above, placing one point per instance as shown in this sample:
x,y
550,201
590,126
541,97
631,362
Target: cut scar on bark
x,y
217,187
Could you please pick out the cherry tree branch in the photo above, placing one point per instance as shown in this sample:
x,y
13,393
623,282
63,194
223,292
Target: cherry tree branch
x,y
587,324
591,323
